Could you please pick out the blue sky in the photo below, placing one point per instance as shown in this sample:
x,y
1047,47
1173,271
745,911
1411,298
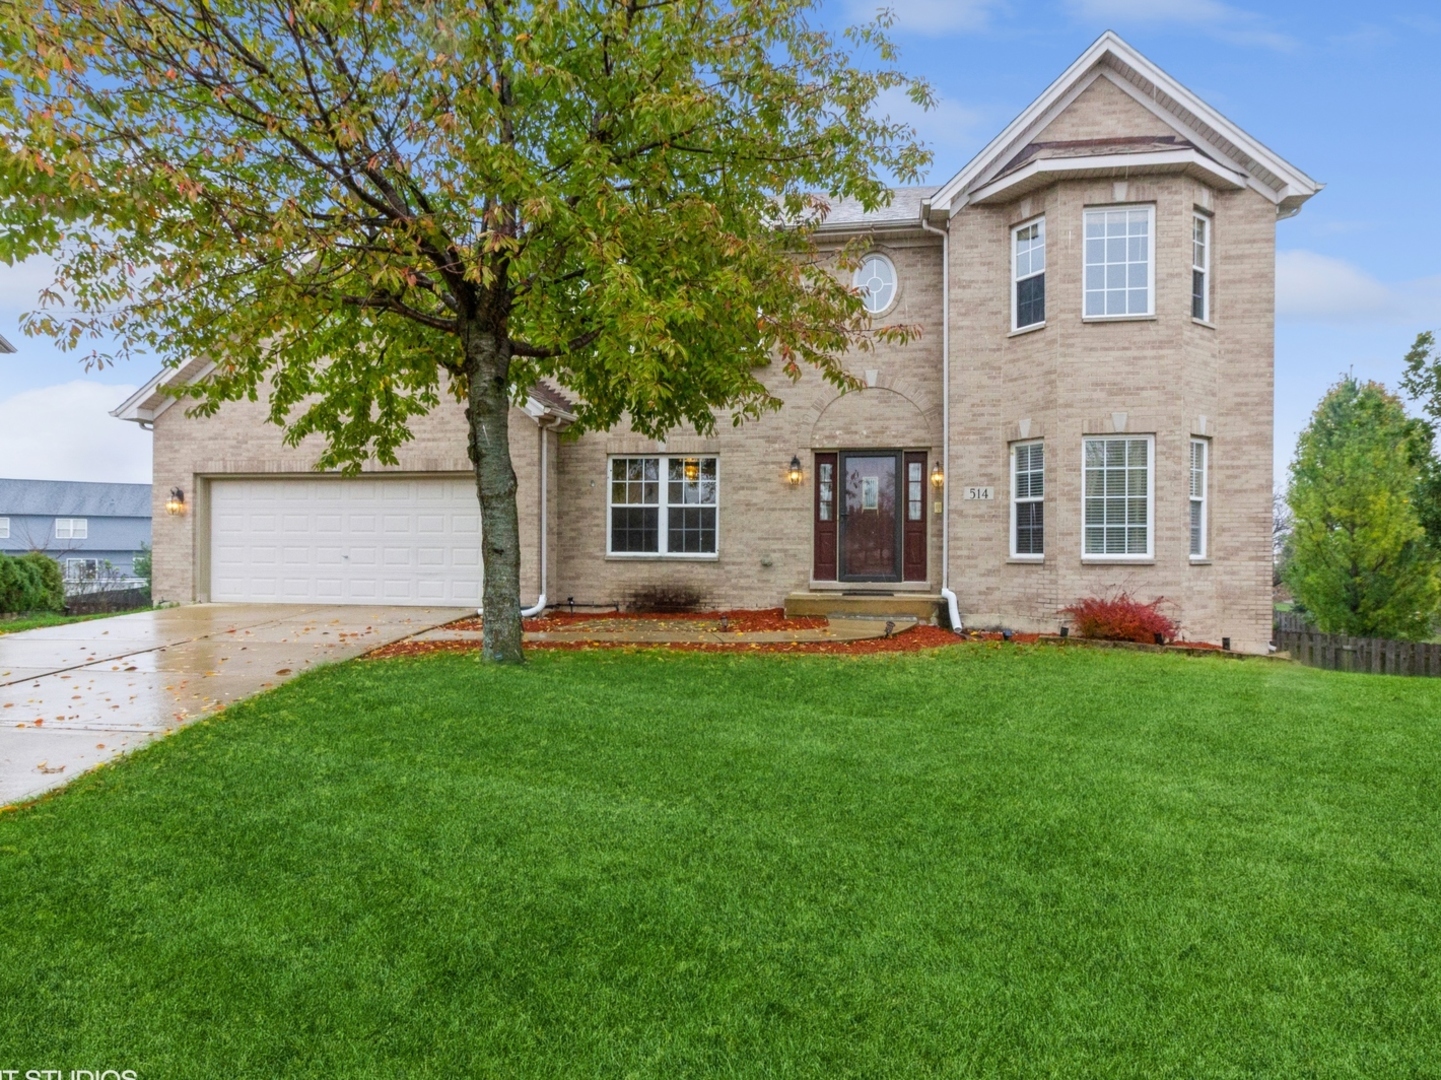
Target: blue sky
x,y
1348,94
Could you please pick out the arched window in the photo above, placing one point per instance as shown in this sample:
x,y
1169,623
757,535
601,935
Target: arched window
x,y
876,278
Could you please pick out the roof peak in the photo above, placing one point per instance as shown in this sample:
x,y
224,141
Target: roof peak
x,y
1111,57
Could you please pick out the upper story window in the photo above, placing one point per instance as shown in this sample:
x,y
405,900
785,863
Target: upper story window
x,y
1117,497
1201,267
72,528
663,506
4,528
1028,274
1200,451
876,278
1120,270
1028,494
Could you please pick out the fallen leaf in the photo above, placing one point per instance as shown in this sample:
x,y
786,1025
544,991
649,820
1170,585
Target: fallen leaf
x,y
283,671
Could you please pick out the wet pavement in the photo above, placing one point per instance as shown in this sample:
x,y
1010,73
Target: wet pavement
x,y
74,696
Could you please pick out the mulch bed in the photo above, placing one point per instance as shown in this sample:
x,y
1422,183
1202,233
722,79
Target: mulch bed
x,y
742,620
916,639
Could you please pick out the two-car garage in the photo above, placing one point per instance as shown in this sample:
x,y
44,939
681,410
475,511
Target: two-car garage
x,y
333,540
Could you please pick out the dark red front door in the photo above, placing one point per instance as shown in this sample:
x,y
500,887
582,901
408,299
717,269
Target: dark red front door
x,y
870,525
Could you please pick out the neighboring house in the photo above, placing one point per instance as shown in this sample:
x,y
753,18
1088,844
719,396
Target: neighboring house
x,y
93,530
1089,408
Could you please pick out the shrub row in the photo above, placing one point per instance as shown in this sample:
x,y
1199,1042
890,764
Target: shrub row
x,y
30,582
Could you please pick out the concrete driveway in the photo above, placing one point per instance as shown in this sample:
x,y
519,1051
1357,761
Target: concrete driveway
x,y
74,696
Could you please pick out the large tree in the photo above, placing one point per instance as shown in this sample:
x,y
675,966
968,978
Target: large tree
x,y
1359,557
368,204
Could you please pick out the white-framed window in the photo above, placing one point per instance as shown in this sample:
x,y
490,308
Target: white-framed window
x,y
72,528
1028,500
1117,497
1028,274
1201,267
4,528
82,569
663,505
876,278
1120,276
1200,462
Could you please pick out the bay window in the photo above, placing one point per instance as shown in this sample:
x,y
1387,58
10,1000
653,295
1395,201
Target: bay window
x,y
1120,272
1028,506
1028,274
1117,497
1200,452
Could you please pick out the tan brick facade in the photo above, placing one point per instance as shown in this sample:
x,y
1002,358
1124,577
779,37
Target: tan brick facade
x,y
1168,376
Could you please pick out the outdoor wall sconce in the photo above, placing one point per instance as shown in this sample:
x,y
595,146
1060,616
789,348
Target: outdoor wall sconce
x,y
938,478
176,503
795,475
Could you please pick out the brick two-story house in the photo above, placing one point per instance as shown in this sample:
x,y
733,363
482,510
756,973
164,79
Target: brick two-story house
x,y
1088,407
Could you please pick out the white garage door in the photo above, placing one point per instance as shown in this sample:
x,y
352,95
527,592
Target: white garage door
x,y
334,541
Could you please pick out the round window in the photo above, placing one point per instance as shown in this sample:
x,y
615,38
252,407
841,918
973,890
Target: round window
x,y
876,278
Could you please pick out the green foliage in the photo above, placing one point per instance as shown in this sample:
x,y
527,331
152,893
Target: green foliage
x,y
1359,559
349,200
143,564
30,582
1422,383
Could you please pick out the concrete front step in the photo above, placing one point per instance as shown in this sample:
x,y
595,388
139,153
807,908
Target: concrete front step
x,y
873,605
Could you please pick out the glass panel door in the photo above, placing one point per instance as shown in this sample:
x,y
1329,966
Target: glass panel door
x,y
870,522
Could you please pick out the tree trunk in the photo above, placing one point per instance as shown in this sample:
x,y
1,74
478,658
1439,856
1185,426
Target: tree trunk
x,y
487,363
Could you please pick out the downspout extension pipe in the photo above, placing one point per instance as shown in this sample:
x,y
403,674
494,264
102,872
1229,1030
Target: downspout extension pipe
x,y
532,612
952,607
540,601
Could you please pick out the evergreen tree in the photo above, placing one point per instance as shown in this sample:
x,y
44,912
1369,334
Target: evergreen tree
x,y
1361,562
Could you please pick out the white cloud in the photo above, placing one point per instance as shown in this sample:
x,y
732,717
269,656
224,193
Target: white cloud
x,y
927,16
1320,288
1218,19
65,432
20,284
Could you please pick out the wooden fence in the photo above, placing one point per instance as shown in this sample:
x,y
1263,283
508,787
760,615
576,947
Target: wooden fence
x,y
1292,622
1340,652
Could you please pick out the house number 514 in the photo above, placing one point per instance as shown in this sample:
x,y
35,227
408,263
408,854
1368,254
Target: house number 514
x,y
984,493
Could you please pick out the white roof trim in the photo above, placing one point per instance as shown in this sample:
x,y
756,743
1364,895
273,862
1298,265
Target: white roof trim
x,y
1181,110
148,403
1041,171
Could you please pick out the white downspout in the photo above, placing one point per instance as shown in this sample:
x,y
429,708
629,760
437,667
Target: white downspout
x,y
540,605
532,612
952,607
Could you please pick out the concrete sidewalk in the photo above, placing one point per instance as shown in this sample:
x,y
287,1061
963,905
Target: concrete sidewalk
x,y
74,696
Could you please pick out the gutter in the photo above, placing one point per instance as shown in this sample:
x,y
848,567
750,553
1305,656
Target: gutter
x,y
952,607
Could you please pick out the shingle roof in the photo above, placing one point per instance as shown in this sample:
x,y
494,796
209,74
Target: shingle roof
x,y
1069,148
73,498
904,209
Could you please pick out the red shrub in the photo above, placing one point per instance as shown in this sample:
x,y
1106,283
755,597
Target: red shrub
x,y
1121,618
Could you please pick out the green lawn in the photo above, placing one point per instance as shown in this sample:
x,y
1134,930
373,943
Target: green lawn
x,y
993,861
34,620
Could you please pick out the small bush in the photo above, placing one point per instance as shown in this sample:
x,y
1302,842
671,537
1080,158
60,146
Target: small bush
x,y
31,582
1121,618
664,599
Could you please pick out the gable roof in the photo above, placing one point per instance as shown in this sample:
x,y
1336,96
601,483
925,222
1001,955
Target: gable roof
x,y
1205,142
73,498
